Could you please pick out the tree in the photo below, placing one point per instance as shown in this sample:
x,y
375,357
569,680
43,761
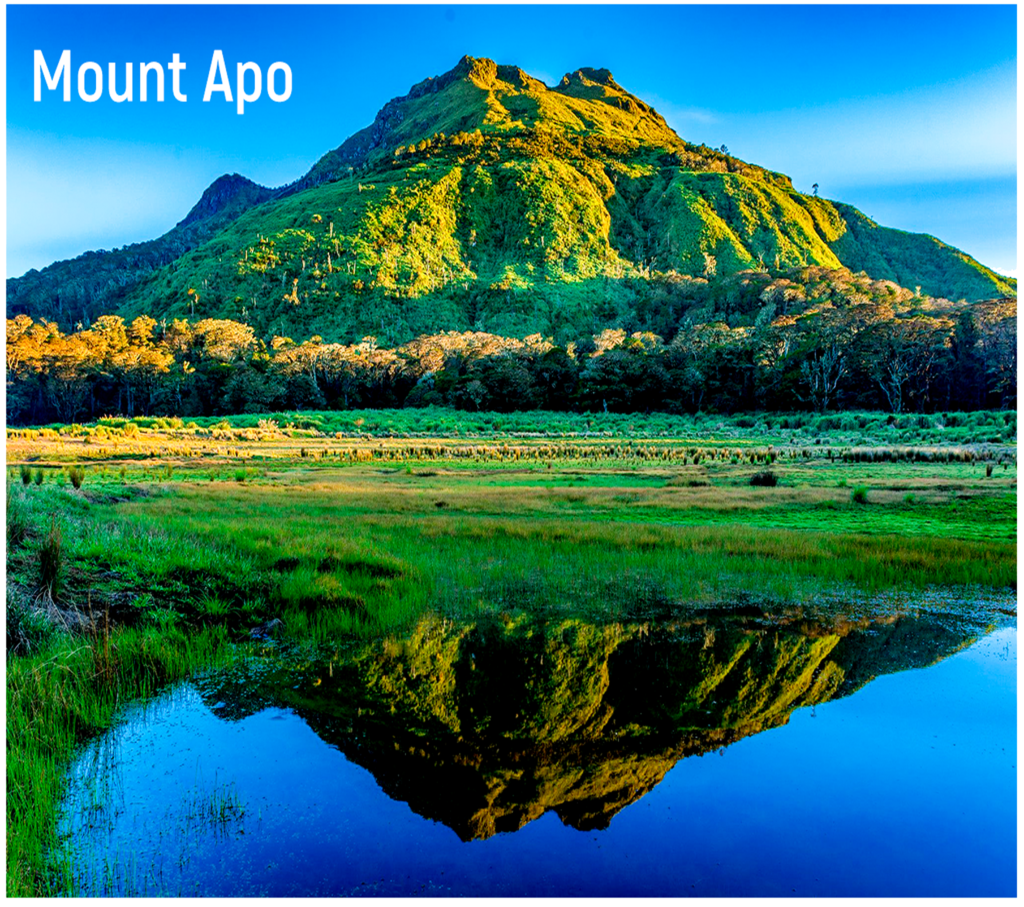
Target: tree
x,y
822,371
893,364
67,379
1000,353
827,361
691,362
773,342
968,368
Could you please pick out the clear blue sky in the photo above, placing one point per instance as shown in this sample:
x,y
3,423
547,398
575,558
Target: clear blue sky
x,y
908,112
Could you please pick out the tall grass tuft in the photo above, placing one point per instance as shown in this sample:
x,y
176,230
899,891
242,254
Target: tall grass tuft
x,y
26,474
28,630
77,475
37,476
859,495
51,560
764,479
17,519
60,696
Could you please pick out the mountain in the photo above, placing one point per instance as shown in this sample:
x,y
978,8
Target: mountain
x,y
484,199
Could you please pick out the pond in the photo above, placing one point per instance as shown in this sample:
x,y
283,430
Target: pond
x,y
727,754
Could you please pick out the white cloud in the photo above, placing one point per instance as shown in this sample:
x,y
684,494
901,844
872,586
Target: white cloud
x,y
967,129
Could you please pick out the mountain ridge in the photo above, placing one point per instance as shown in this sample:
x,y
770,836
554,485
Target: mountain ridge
x,y
485,199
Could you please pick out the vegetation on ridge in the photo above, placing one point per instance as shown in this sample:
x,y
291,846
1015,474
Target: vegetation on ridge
x,y
815,339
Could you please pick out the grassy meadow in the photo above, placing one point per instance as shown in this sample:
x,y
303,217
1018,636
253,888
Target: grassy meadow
x,y
140,551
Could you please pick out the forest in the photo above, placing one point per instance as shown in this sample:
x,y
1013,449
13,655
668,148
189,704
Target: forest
x,y
820,340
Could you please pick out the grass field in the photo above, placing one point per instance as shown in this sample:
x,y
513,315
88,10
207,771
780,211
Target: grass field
x,y
170,545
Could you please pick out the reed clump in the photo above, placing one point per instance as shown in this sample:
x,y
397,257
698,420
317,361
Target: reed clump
x,y
17,519
51,560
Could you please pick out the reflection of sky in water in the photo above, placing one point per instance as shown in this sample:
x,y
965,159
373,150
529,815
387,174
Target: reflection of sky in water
x,y
907,787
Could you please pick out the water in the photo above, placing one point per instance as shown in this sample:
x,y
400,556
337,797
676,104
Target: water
x,y
737,757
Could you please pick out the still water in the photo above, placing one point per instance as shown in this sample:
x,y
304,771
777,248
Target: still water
x,y
720,756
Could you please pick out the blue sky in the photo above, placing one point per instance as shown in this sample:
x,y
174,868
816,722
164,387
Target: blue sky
x,y
908,112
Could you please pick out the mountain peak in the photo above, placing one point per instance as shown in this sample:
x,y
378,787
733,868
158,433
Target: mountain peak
x,y
472,65
480,95
482,72
232,190
586,74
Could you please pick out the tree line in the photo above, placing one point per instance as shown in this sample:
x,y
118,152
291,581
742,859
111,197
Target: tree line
x,y
827,357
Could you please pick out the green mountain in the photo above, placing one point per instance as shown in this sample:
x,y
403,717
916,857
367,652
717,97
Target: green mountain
x,y
486,200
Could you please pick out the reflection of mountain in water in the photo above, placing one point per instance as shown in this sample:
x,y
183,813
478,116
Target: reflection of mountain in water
x,y
486,727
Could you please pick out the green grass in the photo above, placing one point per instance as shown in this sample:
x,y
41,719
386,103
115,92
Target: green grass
x,y
382,548
811,430
173,570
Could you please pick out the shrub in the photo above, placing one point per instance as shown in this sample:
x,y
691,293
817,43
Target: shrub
x,y
26,474
859,495
764,479
77,475
239,475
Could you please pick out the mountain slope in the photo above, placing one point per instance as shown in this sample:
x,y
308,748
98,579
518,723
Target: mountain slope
x,y
481,95
915,258
484,199
78,289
